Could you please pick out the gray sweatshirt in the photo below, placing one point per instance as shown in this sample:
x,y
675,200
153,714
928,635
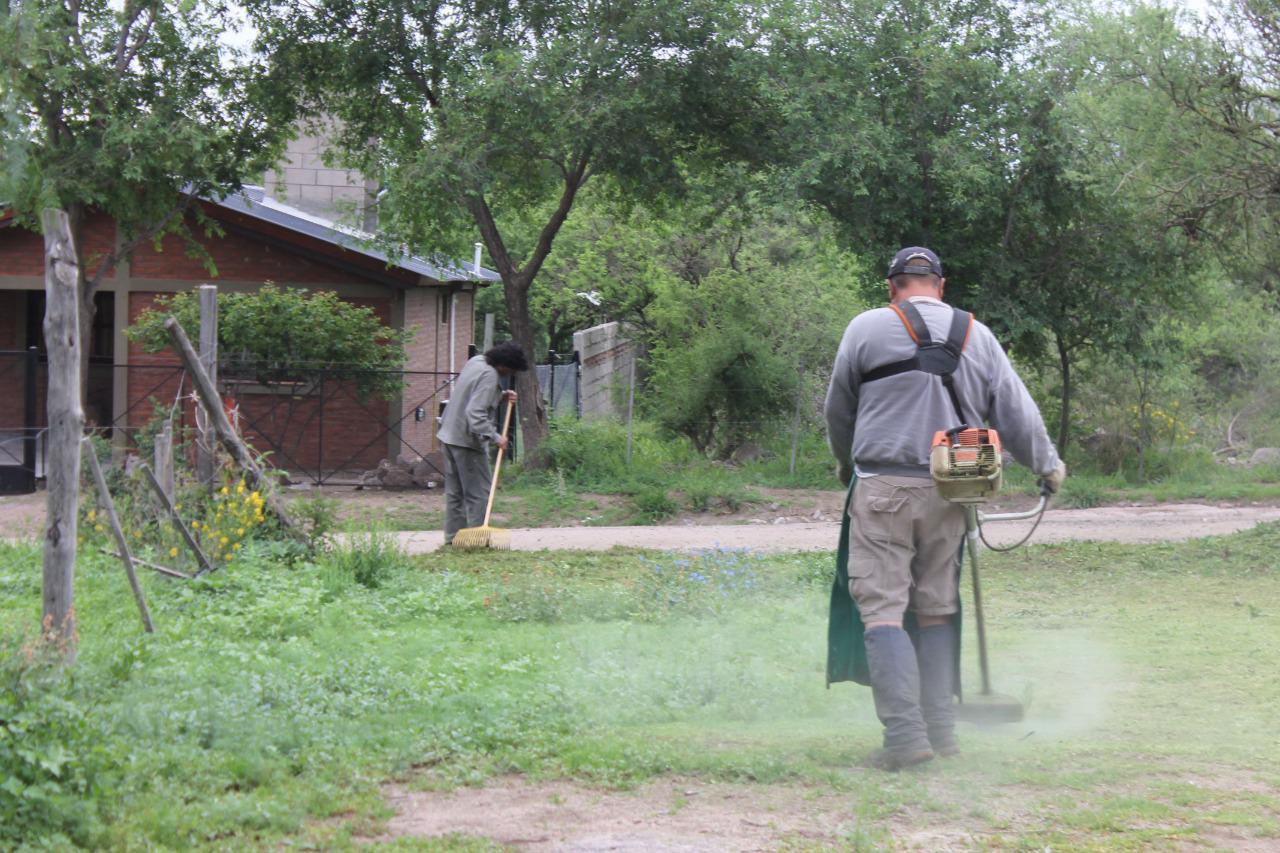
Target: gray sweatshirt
x,y
468,419
888,426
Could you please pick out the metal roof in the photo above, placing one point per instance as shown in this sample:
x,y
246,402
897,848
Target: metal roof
x,y
253,201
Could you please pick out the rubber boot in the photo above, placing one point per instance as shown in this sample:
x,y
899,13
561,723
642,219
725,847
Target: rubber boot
x,y
895,686
936,654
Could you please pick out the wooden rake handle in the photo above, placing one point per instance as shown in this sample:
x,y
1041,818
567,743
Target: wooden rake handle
x,y
497,466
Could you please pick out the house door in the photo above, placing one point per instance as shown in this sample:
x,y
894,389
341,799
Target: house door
x,y
19,432
101,380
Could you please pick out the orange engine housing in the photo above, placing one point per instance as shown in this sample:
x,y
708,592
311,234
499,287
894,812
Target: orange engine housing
x,y
966,464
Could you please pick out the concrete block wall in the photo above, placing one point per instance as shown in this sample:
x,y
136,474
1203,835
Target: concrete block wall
x,y
606,355
303,180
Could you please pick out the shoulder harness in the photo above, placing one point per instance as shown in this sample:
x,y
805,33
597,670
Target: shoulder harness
x,y
939,358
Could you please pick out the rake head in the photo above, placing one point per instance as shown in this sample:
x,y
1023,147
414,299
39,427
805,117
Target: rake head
x,y
483,537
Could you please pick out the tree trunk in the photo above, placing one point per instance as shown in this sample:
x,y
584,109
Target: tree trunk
x,y
533,414
1064,415
86,309
66,426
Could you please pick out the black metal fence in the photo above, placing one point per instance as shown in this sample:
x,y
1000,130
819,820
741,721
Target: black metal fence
x,y
325,425
559,381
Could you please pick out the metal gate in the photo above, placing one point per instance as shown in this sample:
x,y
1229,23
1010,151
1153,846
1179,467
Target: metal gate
x,y
18,430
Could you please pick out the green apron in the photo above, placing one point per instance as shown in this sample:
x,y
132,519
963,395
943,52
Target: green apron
x,y
846,652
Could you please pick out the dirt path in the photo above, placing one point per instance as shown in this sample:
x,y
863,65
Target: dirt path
x,y
664,816
1163,523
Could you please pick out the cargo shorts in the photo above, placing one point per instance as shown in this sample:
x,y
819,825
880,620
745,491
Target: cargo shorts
x,y
904,549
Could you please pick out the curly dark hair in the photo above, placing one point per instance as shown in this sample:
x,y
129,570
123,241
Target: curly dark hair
x,y
507,354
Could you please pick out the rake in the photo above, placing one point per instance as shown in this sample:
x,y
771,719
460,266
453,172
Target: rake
x,y
485,536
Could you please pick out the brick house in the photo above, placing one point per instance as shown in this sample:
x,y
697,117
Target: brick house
x,y
264,240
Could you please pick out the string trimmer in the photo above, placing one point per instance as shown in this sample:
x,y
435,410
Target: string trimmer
x,y
966,467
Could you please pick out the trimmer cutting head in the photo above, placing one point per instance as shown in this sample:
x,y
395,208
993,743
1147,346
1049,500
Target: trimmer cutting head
x,y
989,709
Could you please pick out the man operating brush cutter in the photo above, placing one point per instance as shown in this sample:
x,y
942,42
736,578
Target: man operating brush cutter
x,y
468,426
903,374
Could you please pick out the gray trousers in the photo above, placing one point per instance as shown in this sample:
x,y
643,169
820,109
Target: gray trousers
x,y
466,488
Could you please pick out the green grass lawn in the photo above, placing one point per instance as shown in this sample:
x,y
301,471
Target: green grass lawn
x,y
276,700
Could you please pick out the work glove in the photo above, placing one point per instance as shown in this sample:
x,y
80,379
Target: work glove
x,y
845,472
1053,480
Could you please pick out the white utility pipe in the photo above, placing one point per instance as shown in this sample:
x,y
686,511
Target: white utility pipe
x,y
453,325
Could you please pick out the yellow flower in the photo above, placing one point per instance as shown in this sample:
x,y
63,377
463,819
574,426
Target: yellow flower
x,y
239,488
223,541
173,552
195,525
227,558
239,531
93,513
177,507
235,547
98,527
224,491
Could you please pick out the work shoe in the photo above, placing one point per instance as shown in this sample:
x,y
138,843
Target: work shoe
x,y
892,760
936,657
895,687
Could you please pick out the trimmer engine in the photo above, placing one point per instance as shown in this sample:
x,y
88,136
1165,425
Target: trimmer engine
x,y
966,464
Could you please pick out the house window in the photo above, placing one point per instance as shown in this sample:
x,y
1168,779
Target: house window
x,y
445,299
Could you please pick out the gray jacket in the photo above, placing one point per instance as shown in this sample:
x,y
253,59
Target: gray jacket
x,y
888,426
469,418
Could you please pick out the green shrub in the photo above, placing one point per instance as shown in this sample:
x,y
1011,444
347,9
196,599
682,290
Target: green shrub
x,y
319,517
700,495
717,489
48,753
368,559
258,337
593,454
1081,494
653,503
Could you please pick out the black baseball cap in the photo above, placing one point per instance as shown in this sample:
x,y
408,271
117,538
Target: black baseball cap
x,y
915,260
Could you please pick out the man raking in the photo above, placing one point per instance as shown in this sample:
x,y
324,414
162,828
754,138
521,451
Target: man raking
x,y
902,374
467,428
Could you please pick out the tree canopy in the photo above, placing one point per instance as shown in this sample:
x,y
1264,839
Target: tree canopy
x,y
494,117
130,110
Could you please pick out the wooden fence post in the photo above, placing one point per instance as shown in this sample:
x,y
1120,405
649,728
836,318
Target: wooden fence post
x,y
205,440
176,520
234,445
164,458
108,506
66,427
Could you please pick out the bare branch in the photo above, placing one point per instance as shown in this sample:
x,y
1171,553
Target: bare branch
x,y
108,263
483,216
573,182
140,41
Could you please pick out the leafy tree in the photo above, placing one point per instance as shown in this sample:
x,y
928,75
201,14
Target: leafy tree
x,y
495,116
133,110
901,118
288,334
742,327
952,123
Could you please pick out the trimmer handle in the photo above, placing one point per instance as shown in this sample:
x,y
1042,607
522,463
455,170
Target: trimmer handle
x,y
1045,491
